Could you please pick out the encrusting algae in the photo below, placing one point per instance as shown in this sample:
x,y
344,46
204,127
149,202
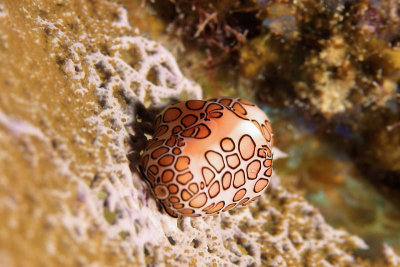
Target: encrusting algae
x,y
71,74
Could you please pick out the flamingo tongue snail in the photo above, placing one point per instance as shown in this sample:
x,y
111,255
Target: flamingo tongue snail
x,y
207,157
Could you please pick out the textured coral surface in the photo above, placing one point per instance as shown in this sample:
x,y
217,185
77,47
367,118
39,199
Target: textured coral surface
x,y
70,75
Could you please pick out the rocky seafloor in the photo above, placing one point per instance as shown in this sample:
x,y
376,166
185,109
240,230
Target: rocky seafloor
x,y
70,194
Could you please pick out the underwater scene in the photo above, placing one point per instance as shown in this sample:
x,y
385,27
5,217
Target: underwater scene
x,y
200,133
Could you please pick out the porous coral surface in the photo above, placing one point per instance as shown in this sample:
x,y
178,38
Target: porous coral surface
x,y
71,71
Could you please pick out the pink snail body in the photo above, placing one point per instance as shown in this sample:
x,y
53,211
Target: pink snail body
x,y
208,157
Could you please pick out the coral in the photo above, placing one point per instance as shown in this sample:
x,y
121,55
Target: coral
x,y
392,259
147,71
217,24
334,60
68,195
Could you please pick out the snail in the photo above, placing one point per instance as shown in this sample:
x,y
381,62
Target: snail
x,y
208,156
